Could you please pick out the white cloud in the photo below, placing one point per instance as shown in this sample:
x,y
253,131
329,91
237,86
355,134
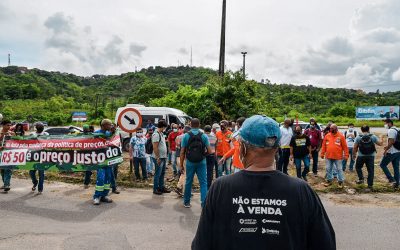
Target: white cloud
x,y
396,75
326,43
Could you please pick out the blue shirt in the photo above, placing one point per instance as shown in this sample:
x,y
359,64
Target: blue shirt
x,y
138,146
195,131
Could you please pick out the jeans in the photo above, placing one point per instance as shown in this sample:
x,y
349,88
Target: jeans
x,y
88,175
200,170
35,182
114,176
142,163
226,166
173,161
216,167
351,161
210,159
369,163
297,163
149,164
330,165
159,174
315,161
394,159
284,155
104,176
6,176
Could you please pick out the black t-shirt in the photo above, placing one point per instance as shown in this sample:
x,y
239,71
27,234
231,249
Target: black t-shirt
x,y
263,210
300,144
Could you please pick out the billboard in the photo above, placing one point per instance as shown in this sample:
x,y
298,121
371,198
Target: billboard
x,y
377,113
79,116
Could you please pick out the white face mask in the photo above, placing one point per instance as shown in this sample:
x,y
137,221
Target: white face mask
x,y
351,130
386,126
175,130
139,134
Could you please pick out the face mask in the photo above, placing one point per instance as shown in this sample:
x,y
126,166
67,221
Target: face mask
x,y
386,126
333,131
175,130
298,133
223,128
351,130
140,134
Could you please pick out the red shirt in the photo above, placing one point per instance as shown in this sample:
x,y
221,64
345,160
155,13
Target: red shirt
x,y
223,142
171,140
315,137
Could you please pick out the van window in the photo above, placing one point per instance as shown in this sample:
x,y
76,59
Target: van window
x,y
173,119
153,118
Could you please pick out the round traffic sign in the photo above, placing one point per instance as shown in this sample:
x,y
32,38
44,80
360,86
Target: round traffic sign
x,y
129,120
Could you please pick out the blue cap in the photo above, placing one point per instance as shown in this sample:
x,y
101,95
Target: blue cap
x,y
260,131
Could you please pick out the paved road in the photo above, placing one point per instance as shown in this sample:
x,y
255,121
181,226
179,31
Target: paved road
x,y
64,218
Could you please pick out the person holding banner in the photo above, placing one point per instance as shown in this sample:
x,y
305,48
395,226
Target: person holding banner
x,y
104,174
6,173
39,132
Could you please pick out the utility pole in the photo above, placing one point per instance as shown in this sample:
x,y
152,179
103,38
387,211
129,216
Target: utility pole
x,y
244,64
221,70
191,56
9,59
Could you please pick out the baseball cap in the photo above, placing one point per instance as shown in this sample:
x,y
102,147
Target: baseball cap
x,y
216,126
260,131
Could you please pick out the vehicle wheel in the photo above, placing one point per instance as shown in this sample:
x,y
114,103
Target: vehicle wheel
x,y
125,145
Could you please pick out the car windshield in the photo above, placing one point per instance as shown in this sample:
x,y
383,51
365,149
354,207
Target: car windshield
x,y
185,119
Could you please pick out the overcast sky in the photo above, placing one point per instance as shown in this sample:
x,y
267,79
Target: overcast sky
x,y
328,43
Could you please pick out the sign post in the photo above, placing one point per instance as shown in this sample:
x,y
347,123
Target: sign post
x,y
129,120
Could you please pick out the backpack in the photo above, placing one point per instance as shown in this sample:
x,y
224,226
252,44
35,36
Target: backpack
x,y
366,145
196,149
149,145
396,143
345,134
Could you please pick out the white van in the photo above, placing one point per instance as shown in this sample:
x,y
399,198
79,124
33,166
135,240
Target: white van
x,y
154,114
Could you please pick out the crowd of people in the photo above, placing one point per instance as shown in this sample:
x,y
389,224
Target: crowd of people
x,y
213,152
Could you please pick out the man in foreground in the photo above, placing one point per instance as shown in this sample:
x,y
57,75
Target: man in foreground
x,y
391,154
259,207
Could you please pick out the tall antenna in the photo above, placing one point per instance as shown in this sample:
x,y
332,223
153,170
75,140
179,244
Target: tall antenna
x,y
221,70
9,59
191,56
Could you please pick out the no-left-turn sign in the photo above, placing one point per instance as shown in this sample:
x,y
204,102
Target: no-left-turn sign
x,y
129,120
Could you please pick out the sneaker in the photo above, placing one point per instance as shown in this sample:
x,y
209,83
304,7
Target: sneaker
x,y
85,186
165,190
39,193
187,205
6,188
106,199
96,201
34,187
157,192
360,182
328,183
395,186
115,191
369,189
340,184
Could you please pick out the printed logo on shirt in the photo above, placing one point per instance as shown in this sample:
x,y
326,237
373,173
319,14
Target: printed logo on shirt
x,y
265,221
248,221
337,141
248,230
300,142
269,231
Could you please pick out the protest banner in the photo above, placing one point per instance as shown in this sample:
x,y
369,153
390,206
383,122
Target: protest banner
x,y
60,153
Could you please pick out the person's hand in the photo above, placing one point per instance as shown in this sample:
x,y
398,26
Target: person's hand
x,y
310,155
158,161
291,157
322,157
385,152
222,161
182,170
131,157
